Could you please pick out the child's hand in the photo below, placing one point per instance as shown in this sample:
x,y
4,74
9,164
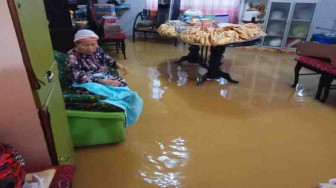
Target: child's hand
x,y
123,69
110,82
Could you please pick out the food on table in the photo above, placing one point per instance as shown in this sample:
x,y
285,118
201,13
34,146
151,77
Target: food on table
x,y
168,30
213,36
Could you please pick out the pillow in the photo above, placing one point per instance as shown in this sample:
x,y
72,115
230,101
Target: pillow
x,y
145,23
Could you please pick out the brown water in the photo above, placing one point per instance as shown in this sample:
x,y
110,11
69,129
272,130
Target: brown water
x,y
260,133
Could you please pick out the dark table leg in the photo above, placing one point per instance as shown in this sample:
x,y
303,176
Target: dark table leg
x,y
193,56
117,46
214,66
123,48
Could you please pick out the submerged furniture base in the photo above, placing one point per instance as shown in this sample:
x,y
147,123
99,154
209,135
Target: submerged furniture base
x,y
214,66
215,60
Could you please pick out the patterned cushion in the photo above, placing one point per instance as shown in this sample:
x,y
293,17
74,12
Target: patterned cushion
x,y
77,98
145,23
122,36
95,107
145,29
317,64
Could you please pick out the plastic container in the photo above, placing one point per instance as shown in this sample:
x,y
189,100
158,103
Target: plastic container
x,y
101,10
95,128
81,14
110,20
81,7
224,18
104,8
324,39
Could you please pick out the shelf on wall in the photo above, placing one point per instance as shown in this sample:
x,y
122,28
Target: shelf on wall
x,y
123,6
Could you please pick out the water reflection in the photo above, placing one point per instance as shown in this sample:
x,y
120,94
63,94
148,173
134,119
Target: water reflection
x,y
164,169
182,76
155,84
169,71
299,90
223,93
302,96
222,81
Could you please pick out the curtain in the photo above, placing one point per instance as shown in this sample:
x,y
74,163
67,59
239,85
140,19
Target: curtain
x,y
152,5
208,7
214,7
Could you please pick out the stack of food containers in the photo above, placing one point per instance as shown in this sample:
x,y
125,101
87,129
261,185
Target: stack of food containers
x,y
101,10
111,27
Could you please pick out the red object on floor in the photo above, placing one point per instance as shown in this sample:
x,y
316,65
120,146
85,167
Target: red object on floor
x,y
63,177
12,167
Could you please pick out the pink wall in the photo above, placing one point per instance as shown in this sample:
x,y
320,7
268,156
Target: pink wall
x,y
19,122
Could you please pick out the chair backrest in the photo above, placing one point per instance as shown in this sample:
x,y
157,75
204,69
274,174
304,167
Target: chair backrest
x,y
318,50
146,14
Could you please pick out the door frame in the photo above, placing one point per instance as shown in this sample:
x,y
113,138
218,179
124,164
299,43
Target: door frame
x,y
34,84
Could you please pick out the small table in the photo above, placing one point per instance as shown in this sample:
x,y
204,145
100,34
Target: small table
x,y
119,42
213,66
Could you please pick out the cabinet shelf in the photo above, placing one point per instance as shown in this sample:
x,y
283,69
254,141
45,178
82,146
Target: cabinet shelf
x,y
280,36
292,19
297,37
273,19
301,20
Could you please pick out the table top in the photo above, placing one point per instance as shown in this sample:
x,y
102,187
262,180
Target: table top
x,y
256,39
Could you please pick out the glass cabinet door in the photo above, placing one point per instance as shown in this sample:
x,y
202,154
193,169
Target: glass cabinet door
x,y
276,25
300,24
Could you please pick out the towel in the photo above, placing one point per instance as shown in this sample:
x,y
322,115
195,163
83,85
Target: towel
x,y
122,97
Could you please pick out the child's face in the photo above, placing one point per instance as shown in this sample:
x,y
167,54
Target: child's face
x,y
87,47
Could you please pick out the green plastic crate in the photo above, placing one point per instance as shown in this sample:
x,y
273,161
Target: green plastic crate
x,y
94,128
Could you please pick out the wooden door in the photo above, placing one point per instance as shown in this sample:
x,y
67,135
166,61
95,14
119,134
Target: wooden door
x,y
34,27
59,125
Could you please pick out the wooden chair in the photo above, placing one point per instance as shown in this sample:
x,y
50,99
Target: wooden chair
x,y
144,23
119,43
320,58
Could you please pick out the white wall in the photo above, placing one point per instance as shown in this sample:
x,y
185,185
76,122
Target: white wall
x,y
127,17
19,122
326,16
